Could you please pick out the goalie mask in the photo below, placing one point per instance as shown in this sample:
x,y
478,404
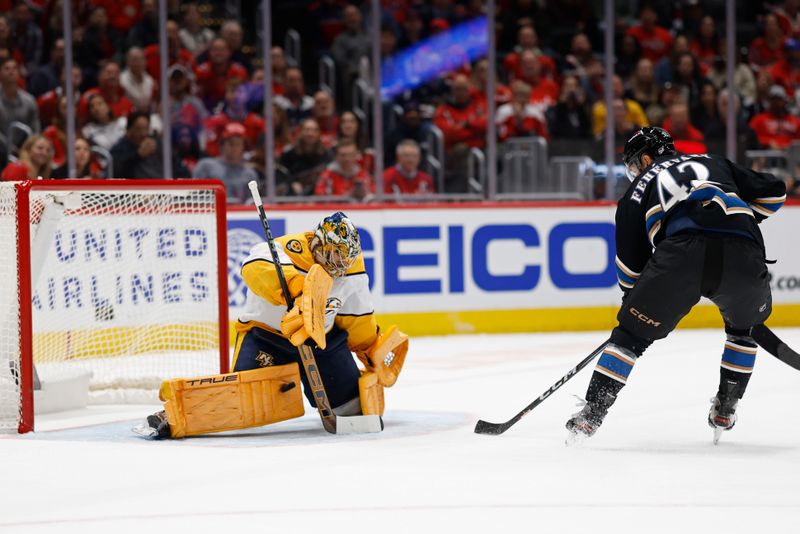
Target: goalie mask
x,y
335,245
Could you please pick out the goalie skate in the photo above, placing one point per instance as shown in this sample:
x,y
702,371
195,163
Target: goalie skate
x,y
154,427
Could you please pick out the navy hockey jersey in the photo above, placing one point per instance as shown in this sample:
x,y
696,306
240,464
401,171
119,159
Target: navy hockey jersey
x,y
690,193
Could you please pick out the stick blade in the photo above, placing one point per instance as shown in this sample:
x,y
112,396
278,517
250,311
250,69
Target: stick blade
x,y
491,429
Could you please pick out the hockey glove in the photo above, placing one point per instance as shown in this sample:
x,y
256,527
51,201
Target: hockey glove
x,y
386,355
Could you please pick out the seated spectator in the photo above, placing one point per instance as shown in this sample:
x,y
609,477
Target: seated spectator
x,y
186,144
139,86
122,14
707,44
109,86
688,78
519,118
717,130
138,154
405,177
410,127
35,161
581,60
788,17
527,39
99,42
623,128
234,110
85,167
8,45
544,91
280,130
279,66
665,67
635,113
344,177
214,75
294,100
687,138
303,161
654,40
743,79
463,124
568,119
350,129
47,77
176,54
480,81
628,56
102,129
15,104
229,166
27,36
643,87
57,135
185,108
767,49
231,32
48,102
776,128
324,112
705,115
786,71
145,32
348,48
193,35
413,29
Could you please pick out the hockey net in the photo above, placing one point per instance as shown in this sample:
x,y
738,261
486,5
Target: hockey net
x,y
128,287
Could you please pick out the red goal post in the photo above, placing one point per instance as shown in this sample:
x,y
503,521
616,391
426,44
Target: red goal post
x,y
118,284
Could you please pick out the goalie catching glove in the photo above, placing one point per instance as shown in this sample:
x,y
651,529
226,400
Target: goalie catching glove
x,y
385,357
307,318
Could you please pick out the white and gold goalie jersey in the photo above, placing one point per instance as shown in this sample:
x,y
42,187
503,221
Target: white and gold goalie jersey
x,y
349,305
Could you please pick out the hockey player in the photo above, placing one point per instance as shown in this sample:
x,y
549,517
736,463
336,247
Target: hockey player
x,y
686,227
261,390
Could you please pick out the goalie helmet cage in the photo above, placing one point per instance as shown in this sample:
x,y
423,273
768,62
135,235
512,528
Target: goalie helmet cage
x,y
125,280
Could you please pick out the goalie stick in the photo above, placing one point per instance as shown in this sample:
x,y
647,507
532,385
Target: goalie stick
x,y
495,429
335,425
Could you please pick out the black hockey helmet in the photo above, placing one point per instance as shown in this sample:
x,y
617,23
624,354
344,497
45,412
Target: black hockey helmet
x,y
649,140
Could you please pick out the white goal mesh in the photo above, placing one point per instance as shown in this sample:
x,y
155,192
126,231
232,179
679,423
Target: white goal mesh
x,y
9,308
125,287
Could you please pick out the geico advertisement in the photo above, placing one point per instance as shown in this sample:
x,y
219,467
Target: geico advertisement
x,y
463,259
127,270
781,240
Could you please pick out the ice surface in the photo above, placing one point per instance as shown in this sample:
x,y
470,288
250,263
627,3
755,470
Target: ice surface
x,y
651,468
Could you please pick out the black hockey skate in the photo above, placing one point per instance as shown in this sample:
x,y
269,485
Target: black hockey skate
x,y
722,415
585,423
154,427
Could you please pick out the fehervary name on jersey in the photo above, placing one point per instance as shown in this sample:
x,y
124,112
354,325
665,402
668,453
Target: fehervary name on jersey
x,y
645,179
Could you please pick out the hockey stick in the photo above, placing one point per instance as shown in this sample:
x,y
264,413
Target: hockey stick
x,y
767,339
306,354
495,429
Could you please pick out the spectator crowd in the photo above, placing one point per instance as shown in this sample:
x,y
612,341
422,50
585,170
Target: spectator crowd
x,y
669,71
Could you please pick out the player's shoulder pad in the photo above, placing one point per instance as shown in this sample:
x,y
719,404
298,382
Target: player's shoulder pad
x,y
295,246
358,267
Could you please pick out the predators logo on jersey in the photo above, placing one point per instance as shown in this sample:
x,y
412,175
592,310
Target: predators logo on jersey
x,y
294,246
265,360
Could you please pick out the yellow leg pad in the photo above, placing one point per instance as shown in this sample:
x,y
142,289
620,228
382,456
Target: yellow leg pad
x,y
232,401
371,393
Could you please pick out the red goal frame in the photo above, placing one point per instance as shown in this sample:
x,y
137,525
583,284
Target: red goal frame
x,y
23,191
